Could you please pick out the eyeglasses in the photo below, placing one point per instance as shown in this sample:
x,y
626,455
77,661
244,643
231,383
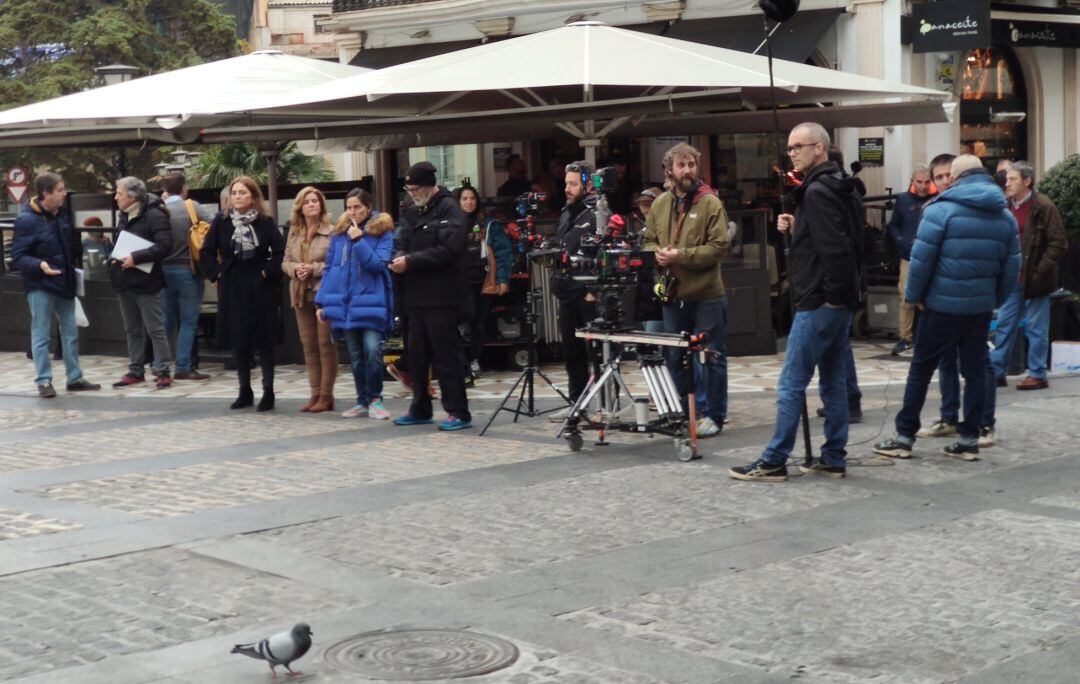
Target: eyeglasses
x,y
412,189
797,147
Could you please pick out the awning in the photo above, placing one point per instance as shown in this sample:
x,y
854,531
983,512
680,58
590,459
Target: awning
x,y
1025,26
794,40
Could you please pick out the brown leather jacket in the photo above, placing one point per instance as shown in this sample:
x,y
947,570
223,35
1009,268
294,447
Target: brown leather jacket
x,y
302,292
1042,247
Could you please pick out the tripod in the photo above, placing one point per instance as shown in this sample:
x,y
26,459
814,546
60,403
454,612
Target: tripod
x,y
525,385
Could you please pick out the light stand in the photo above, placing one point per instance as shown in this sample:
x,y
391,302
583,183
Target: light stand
x,y
525,385
780,11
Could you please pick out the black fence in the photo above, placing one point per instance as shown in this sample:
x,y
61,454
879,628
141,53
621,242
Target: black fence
x,y
354,5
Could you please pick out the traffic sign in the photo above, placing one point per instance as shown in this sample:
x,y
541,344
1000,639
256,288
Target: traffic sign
x,y
17,182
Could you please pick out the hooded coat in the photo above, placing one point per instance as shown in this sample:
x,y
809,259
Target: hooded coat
x,y
966,256
151,223
432,238
697,226
356,290
826,247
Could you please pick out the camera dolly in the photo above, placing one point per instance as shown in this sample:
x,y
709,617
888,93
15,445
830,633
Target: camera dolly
x,y
671,420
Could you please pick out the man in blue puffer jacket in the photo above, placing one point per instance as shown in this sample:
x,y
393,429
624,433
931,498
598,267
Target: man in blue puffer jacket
x,y
964,263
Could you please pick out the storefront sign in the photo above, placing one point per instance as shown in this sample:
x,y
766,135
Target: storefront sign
x,y
500,155
1035,33
951,25
872,151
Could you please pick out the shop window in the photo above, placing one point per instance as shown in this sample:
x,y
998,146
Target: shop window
x,y
993,106
454,162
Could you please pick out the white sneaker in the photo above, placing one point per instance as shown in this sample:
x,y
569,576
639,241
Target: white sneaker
x,y
707,427
474,367
987,437
378,411
938,428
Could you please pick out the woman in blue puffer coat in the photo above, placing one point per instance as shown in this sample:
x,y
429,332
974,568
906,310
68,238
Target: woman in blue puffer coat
x,y
356,296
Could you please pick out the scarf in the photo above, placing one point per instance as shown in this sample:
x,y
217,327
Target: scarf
x,y
244,239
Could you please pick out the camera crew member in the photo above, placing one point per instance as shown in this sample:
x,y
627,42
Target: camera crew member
x,y
687,228
577,307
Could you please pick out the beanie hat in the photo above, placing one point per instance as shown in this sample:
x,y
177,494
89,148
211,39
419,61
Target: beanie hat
x,y
421,173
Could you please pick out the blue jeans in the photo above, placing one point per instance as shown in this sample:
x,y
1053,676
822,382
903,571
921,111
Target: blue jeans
x,y
818,339
42,306
949,384
365,358
990,397
1035,313
937,334
851,379
710,317
183,297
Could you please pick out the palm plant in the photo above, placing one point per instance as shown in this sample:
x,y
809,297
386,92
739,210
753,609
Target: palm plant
x,y
220,164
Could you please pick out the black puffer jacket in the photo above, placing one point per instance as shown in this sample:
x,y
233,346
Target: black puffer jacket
x,y
576,220
151,223
827,245
433,240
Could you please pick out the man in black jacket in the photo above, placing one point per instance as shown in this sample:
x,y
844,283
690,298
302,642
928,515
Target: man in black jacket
x,y
826,287
141,303
576,306
42,252
428,252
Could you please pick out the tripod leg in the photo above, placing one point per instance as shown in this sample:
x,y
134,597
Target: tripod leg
x,y
809,459
502,404
551,384
526,388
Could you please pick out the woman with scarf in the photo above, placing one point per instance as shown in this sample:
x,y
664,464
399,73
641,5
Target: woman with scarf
x,y
489,258
242,255
305,260
356,297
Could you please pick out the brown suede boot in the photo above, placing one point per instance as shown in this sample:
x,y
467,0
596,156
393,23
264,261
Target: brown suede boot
x,y
325,403
306,408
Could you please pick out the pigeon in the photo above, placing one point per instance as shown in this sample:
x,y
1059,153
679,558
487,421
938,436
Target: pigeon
x,y
280,649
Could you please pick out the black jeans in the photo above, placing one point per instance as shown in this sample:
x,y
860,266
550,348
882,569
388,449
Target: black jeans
x,y
574,314
434,340
936,335
242,354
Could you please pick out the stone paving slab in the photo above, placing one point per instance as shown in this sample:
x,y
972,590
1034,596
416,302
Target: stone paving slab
x,y
30,419
83,613
17,525
147,438
925,606
466,538
206,486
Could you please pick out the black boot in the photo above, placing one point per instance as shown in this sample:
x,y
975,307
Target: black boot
x,y
267,401
245,400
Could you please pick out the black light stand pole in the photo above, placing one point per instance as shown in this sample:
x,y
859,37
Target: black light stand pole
x,y
526,381
784,204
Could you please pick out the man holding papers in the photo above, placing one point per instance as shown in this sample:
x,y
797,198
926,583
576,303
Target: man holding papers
x,y
145,239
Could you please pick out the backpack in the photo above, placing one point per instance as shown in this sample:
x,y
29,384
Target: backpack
x,y
196,236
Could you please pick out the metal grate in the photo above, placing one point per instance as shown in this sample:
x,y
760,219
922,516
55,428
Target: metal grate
x,y
355,5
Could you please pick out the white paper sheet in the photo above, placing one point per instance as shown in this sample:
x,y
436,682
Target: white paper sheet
x,y
126,243
80,282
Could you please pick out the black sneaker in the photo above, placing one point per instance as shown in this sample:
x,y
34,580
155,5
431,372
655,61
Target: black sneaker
x,y
819,468
759,472
854,413
968,452
82,385
46,391
893,447
901,347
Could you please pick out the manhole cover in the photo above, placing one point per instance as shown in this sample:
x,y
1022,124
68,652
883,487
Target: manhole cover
x,y
421,655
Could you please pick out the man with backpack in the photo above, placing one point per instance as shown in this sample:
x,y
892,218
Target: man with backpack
x,y
183,283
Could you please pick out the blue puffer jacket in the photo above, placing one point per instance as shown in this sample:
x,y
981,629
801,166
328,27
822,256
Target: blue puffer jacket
x,y
356,292
966,257
41,236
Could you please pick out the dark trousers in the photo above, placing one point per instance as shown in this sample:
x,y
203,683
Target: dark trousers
x,y
936,335
242,354
478,319
574,314
434,340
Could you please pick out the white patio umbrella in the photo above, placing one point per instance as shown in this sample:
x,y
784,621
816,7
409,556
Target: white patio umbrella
x,y
174,106
583,72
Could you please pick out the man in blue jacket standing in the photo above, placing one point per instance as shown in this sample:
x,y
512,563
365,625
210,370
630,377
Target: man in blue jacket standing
x,y
41,251
903,225
964,263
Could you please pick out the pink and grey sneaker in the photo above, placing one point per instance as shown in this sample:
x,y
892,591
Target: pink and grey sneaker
x,y
377,411
357,411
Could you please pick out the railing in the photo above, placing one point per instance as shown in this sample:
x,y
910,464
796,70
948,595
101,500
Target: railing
x,y
354,5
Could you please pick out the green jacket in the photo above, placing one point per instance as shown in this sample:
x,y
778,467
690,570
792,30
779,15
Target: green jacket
x,y
702,242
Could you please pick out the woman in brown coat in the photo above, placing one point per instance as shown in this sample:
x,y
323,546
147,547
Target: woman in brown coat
x,y
305,258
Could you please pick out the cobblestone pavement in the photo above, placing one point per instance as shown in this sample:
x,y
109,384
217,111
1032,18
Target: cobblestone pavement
x,y
144,533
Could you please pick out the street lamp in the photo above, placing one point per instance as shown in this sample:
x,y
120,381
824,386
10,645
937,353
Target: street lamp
x,y
161,167
180,155
116,73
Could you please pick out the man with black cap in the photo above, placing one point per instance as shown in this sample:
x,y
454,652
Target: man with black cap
x,y
428,251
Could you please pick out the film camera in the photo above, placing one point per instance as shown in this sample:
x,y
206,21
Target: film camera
x,y
530,204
